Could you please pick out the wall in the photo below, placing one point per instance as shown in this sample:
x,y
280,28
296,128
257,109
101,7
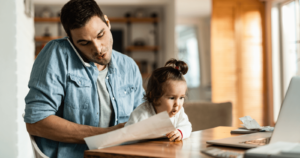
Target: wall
x,y
17,53
238,58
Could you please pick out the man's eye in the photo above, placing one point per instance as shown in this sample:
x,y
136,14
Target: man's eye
x,y
101,34
84,44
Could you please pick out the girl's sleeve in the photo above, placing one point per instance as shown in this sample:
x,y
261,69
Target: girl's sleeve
x,y
137,115
133,118
183,124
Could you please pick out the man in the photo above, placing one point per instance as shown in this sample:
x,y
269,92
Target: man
x,y
79,86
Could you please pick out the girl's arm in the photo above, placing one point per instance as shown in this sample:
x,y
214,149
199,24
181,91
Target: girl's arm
x,y
133,118
183,124
138,114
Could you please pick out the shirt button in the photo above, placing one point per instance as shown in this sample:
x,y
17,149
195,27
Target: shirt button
x,y
125,92
116,119
79,82
106,77
113,98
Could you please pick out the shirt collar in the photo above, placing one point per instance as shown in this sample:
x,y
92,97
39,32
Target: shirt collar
x,y
83,62
111,66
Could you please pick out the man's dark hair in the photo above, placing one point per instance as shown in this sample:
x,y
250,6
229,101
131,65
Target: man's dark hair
x,y
173,70
76,13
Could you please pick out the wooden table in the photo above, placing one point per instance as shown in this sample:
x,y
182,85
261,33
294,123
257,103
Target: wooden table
x,y
187,148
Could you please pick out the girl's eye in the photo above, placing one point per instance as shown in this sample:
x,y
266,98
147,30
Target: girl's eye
x,y
171,98
181,97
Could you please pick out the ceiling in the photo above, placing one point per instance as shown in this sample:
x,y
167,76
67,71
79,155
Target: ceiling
x,y
193,8
184,8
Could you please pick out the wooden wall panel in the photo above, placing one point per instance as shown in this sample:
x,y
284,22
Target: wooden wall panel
x,y
223,52
252,65
237,57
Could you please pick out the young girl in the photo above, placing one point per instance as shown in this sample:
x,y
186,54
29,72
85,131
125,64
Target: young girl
x,y
166,91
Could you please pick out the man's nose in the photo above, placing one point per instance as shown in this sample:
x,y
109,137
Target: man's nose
x,y
97,47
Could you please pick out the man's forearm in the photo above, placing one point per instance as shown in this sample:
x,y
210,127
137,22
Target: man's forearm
x,y
59,129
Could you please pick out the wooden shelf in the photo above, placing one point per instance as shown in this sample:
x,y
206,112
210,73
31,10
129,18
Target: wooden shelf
x,y
117,20
46,39
141,48
40,19
112,19
133,20
142,20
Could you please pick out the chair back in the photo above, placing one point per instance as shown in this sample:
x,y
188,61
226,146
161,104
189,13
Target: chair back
x,y
204,115
36,151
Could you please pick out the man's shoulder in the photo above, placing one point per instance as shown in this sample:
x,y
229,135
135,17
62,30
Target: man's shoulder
x,y
62,43
121,59
55,55
57,49
57,46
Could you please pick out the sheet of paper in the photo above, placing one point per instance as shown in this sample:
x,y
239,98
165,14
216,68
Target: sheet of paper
x,y
249,123
154,127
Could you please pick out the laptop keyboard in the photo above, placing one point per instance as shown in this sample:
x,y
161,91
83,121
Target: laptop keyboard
x,y
259,142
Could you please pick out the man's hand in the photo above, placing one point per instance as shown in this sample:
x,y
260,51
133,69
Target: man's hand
x,y
62,130
174,136
118,126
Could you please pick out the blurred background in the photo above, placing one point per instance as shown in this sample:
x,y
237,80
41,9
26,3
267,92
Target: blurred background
x,y
242,51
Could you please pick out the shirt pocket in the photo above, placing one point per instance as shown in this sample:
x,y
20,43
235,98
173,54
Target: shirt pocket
x,y
126,94
78,92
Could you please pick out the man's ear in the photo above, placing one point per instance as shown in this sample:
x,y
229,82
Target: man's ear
x,y
107,21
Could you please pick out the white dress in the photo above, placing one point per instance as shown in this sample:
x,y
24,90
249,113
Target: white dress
x,y
146,110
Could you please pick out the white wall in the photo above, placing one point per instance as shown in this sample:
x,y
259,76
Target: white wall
x,y
169,42
17,55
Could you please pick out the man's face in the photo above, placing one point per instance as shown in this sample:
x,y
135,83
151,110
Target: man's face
x,y
94,40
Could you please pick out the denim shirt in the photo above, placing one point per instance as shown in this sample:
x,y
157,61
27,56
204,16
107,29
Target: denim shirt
x,y
62,84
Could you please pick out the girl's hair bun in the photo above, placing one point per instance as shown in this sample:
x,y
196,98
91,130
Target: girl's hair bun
x,y
181,66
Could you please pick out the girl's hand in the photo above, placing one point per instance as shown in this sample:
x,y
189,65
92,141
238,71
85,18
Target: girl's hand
x,y
174,136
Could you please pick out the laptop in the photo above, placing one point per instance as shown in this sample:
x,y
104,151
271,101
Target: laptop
x,y
286,129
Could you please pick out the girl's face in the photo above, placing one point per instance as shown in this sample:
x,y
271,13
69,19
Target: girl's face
x,y
173,98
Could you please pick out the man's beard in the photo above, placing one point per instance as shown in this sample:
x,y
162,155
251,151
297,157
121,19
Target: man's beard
x,y
106,60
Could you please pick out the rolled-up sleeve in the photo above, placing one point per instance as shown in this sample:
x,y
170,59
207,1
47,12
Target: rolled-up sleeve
x,y
184,124
46,84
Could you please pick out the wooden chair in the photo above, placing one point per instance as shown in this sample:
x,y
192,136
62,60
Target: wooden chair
x,y
204,115
36,151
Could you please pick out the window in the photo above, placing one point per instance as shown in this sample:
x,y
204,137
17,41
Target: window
x,y
188,51
285,46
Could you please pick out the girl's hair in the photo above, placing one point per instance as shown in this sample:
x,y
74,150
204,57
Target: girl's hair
x,y
173,70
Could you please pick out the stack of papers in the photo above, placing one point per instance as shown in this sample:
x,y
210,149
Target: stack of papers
x,y
156,126
251,126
